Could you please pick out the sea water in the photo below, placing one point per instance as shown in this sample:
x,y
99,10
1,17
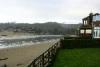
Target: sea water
x,y
7,42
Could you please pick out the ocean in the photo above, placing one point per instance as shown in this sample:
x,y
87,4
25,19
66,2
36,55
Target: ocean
x,y
17,41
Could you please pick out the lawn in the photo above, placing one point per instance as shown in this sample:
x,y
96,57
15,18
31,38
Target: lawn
x,y
85,57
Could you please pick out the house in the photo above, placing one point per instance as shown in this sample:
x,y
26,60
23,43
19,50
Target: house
x,y
91,26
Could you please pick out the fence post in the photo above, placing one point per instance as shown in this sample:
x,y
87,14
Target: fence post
x,y
43,60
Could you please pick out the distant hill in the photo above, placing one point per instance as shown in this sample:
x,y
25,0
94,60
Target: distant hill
x,y
69,26
40,28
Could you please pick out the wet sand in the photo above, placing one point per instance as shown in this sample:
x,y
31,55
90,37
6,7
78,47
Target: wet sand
x,y
22,56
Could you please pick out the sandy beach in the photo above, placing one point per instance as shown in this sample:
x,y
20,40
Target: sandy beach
x,y
22,56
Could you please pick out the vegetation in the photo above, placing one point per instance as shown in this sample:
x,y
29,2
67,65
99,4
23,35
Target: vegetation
x,y
87,57
40,28
80,43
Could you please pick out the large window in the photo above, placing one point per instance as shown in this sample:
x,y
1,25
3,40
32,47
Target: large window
x,y
96,18
96,33
88,31
82,31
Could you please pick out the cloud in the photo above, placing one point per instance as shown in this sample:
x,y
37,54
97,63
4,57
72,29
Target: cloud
x,y
47,10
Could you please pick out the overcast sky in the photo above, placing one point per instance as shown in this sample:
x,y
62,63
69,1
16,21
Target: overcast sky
x,y
62,11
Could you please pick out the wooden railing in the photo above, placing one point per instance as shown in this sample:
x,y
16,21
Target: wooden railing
x,y
46,58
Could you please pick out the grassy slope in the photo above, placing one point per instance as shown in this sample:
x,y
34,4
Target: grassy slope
x,y
87,57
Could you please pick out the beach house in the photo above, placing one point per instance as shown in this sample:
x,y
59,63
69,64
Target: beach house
x,y
91,26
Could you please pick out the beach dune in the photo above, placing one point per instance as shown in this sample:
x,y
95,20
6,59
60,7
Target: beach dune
x,y
22,56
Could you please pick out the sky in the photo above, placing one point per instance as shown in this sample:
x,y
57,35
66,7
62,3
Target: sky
x,y
40,11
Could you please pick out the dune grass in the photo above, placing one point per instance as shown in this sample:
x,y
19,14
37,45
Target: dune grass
x,y
86,57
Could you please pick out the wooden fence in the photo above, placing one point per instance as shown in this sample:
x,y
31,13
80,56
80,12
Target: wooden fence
x,y
46,58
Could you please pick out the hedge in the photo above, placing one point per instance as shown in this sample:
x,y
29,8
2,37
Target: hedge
x,y
80,43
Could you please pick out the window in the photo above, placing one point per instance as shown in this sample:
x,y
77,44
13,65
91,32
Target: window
x,y
96,18
96,32
88,31
81,31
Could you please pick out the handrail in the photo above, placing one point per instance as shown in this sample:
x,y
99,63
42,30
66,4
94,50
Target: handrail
x,y
46,58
